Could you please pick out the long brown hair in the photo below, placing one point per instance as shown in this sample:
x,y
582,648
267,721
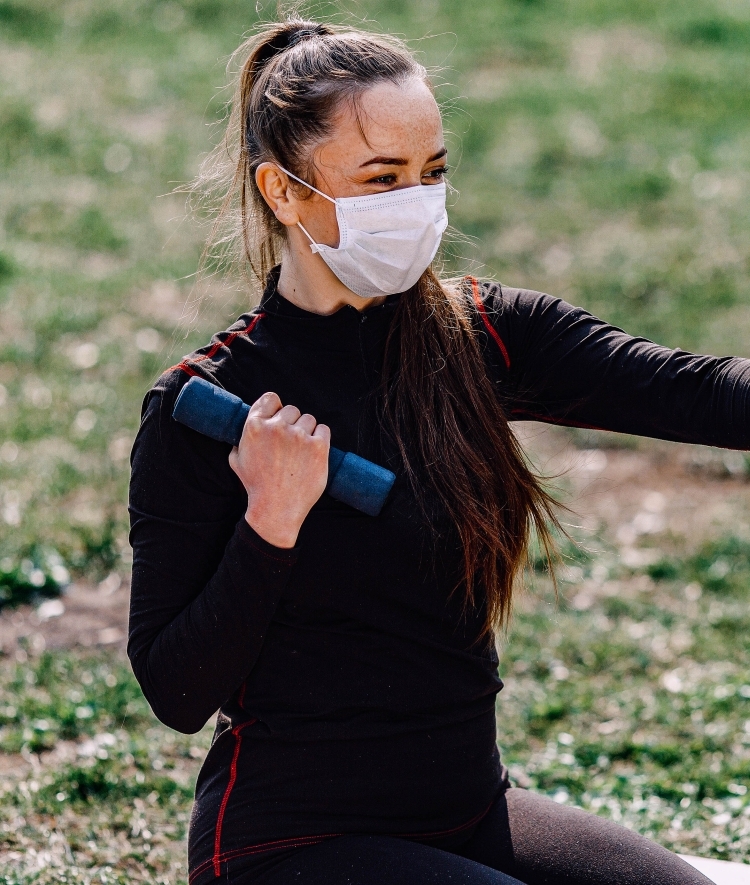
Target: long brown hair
x,y
438,403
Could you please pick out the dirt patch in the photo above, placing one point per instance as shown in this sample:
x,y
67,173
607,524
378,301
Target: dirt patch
x,y
655,493
85,616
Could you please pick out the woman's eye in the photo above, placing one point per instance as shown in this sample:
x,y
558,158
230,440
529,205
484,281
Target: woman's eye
x,y
437,174
390,179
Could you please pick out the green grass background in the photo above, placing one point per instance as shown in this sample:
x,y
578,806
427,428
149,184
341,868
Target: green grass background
x,y
600,151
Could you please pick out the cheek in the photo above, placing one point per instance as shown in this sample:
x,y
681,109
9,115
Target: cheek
x,y
319,218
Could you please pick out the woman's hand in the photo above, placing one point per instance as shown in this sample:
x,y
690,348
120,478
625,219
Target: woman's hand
x,y
282,460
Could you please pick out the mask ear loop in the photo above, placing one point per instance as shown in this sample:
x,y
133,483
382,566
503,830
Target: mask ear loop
x,y
301,181
313,244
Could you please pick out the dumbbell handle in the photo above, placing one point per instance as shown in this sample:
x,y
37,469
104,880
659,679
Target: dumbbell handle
x,y
215,412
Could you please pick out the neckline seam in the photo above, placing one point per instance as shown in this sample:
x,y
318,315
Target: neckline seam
x,y
275,304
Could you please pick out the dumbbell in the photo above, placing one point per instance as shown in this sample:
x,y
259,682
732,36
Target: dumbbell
x,y
215,412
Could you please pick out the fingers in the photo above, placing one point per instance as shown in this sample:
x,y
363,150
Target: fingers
x,y
306,423
322,431
289,415
269,406
265,406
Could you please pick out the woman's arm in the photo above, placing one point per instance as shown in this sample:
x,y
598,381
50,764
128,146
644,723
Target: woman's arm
x,y
205,583
564,366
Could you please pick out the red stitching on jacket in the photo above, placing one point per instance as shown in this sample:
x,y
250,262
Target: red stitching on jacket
x,y
227,793
450,832
189,370
277,845
300,841
487,324
241,696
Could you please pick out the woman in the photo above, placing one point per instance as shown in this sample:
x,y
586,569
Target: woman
x,y
351,657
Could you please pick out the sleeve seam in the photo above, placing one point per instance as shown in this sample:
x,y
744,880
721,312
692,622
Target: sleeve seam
x,y
286,561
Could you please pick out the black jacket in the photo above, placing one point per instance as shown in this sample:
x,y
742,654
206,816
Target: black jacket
x,y
353,692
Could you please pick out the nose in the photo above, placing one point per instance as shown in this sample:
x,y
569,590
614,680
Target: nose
x,y
409,180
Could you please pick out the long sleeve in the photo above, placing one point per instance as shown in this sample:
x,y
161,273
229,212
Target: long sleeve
x,y
559,364
204,585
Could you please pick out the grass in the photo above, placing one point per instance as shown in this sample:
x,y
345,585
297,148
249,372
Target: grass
x,y
97,791
601,151
632,697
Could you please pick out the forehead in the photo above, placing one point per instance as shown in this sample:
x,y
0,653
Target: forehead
x,y
392,120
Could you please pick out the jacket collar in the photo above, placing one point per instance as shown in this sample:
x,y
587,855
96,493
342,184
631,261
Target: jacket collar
x,y
335,327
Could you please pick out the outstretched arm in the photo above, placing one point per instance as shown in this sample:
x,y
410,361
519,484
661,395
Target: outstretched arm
x,y
564,366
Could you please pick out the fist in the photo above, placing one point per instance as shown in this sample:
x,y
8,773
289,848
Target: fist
x,y
282,461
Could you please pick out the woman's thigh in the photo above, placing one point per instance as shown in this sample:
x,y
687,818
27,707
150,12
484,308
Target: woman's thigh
x,y
542,843
374,860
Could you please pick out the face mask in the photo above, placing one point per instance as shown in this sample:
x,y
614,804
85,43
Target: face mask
x,y
386,241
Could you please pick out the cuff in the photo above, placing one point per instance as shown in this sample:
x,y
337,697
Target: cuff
x,y
248,535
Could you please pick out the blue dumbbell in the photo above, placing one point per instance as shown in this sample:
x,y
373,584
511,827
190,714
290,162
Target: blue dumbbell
x,y
221,415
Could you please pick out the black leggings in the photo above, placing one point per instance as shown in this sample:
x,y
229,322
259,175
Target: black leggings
x,y
524,838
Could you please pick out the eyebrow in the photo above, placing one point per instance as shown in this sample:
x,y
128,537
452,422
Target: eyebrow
x,y
399,161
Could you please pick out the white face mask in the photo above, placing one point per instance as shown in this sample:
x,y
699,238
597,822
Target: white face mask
x,y
386,241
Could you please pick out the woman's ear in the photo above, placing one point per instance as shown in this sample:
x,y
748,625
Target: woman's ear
x,y
273,184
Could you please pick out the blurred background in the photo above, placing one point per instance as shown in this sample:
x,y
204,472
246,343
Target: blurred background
x,y
601,152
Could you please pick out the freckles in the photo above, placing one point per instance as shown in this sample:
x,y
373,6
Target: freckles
x,y
395,115
417,125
